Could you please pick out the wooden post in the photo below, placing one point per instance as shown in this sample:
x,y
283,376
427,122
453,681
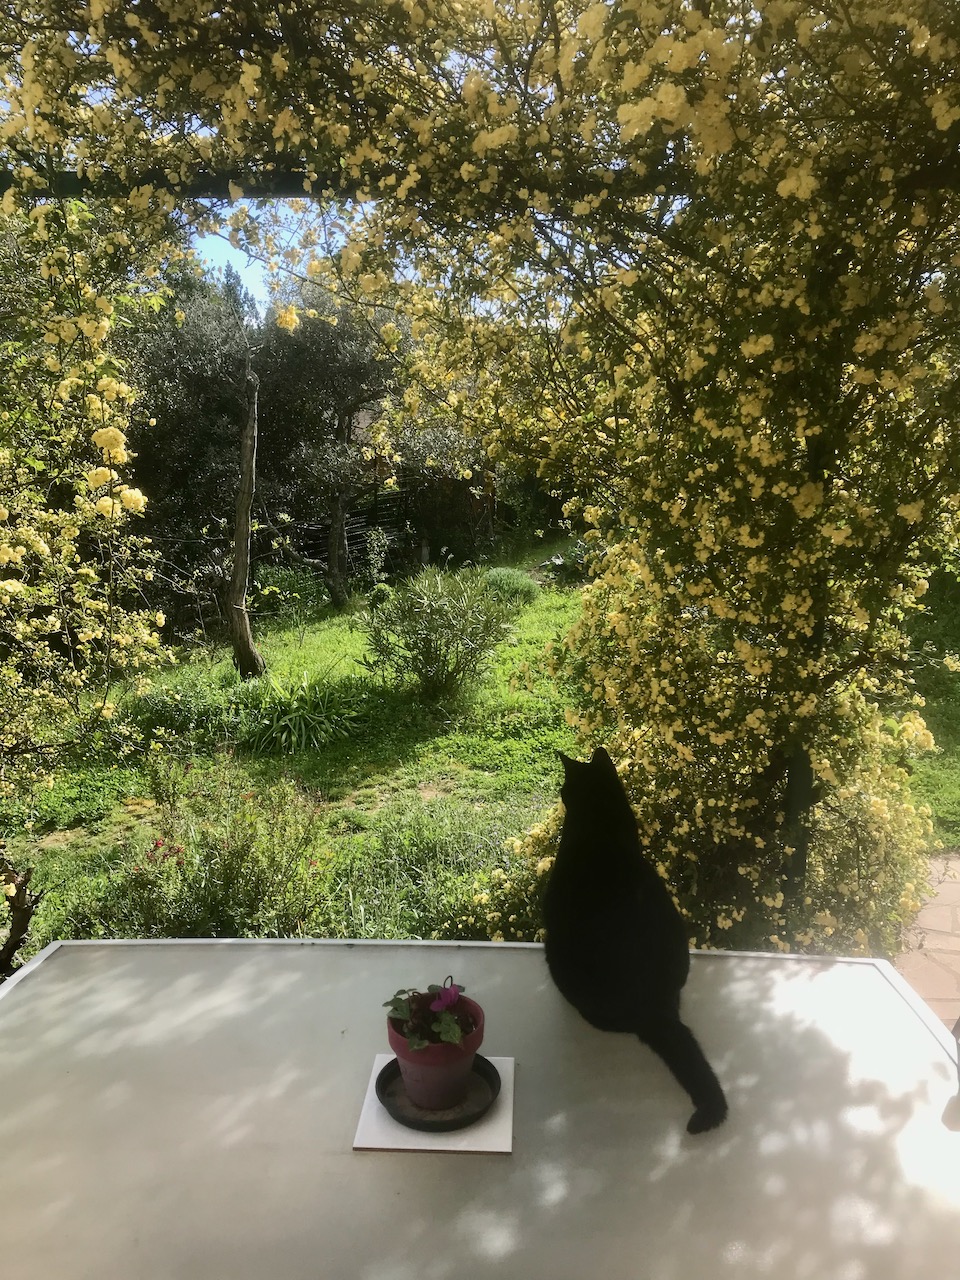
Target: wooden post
x,y
246,657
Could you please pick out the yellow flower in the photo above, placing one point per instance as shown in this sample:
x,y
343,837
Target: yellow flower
x,y
113,443
133,499
288,319
910,511
757,346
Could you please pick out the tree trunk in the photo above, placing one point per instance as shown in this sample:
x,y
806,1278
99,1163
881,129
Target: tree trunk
x,y
337,574
337,554
21,904
246,657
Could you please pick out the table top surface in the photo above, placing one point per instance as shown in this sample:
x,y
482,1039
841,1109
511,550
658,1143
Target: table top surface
x,y
186,1111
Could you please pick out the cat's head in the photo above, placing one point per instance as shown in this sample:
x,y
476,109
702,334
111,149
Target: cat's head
x,y
585,781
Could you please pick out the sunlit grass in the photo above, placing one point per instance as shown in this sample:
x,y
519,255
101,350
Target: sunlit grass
x,y
414,803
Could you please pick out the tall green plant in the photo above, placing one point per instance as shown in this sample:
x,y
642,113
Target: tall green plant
x,y
437,631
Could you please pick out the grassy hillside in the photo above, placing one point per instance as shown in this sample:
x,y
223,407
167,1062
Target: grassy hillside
x,y
379,833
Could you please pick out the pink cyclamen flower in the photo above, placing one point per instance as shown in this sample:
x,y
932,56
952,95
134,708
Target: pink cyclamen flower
x,y
445,998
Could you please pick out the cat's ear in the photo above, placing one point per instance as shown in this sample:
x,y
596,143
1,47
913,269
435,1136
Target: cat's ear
x,y
568,764
602,758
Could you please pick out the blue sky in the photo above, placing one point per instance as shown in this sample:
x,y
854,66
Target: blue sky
x,y
217,253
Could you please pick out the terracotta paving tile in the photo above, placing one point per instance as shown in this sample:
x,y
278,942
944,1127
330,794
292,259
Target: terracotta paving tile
x,y
947,893
938,915
948,1011
930,977
931,961
948,944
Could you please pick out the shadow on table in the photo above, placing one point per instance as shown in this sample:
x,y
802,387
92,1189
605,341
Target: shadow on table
x,y
815,1176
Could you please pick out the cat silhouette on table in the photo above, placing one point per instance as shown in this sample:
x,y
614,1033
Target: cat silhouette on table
x,y
616,945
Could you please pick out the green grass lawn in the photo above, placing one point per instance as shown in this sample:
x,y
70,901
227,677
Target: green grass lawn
x,y
935,778
395,820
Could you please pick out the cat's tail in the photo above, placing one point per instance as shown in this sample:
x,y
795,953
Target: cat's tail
x,y
677,1046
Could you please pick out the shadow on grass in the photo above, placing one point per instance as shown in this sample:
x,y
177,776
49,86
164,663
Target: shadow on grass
x,y
392,726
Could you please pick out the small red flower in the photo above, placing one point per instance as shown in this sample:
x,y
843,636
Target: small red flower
x,y
446,997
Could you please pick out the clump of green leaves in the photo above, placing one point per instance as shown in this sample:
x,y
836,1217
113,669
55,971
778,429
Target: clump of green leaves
x,y
436,631
569,568
300,715
288,593
197,704
512,586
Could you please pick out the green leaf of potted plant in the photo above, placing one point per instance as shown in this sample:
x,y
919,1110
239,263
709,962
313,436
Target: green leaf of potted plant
x,y
435,1034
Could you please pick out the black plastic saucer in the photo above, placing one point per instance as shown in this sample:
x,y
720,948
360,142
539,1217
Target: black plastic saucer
x,y
482,1093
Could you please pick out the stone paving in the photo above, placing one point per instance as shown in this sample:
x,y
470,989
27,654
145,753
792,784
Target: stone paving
x,y
931,962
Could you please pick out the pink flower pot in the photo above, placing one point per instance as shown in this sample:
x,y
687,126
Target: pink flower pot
x,y
437,1076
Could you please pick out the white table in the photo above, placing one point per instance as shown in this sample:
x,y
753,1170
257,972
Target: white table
x,y
185,1111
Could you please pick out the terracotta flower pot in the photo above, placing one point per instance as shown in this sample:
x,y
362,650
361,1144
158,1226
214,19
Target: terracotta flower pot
x,y
437,1076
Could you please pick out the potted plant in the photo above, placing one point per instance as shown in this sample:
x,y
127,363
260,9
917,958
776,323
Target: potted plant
x,y
435,1034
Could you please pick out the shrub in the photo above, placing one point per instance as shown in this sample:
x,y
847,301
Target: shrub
x,y
379,595
296,716
437,630
226,862
512,586
200,706
571,567
288,592
505,900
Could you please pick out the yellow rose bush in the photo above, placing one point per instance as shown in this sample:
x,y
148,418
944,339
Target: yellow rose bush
x,y
70,625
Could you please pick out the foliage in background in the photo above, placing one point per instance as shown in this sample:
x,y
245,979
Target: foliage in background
x,y
187,361
436,630
935,643
323,378
284,593
225,861
190,708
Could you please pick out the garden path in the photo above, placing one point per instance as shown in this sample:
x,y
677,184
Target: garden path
x,y
931,960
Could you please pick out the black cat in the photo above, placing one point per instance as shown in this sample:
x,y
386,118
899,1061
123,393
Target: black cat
x,y
616,945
